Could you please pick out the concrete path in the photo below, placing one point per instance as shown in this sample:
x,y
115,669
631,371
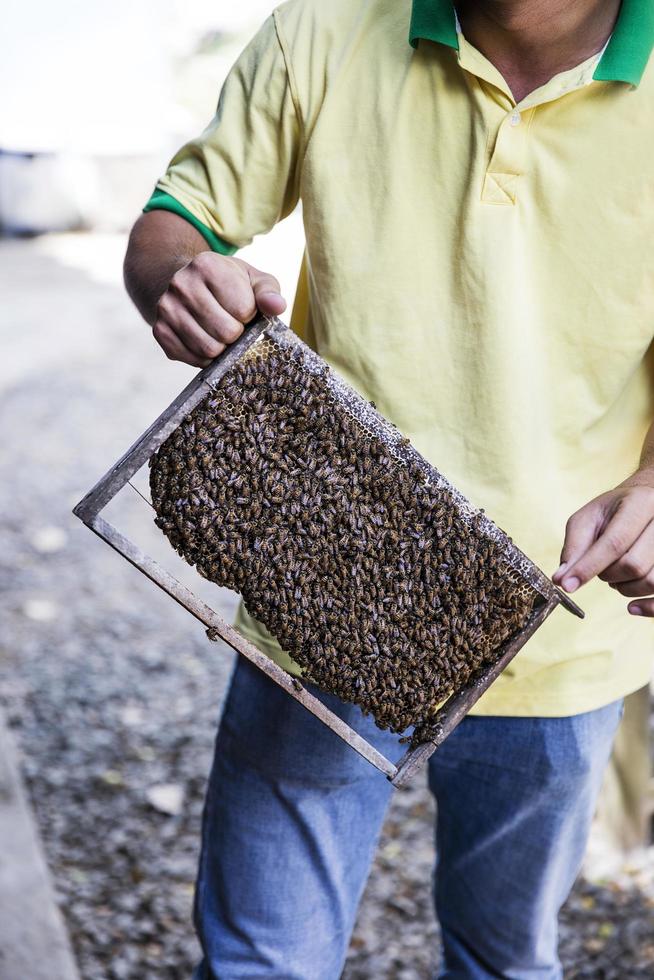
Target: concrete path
x,y
33,940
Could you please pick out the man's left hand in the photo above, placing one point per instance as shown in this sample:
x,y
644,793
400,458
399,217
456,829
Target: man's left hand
x,y
613,537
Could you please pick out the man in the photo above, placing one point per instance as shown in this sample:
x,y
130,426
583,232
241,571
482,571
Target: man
x,y
479,211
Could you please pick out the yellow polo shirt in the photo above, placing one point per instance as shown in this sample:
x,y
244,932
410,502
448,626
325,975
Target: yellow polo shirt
x,y
482,270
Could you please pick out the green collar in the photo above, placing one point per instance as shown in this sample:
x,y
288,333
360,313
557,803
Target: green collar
x,y
624,59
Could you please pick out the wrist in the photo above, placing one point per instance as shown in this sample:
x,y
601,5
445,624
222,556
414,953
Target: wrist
x,y
642,477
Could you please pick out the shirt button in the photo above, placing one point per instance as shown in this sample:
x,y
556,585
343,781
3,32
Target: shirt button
x,y
515,118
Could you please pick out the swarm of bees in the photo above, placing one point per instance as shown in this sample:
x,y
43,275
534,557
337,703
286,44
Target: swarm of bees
x,y
365,571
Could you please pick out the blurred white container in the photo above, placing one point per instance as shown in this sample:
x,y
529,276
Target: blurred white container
x,y
51,191
44,191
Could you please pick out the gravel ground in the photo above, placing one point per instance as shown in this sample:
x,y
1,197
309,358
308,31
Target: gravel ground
x,y
114,692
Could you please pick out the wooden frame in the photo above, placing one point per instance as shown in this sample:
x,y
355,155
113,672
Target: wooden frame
x,y
89,508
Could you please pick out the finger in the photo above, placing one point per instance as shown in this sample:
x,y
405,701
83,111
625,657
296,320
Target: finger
x,y
267,292
173,347
206,310
580,532
191,334
637,587
617,537
230,286
644,607
240,288
636,563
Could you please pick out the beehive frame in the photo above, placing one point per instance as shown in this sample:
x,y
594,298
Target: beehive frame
x,y
89,510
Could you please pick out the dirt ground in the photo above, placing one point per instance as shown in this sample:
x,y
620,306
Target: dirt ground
x,y
114,693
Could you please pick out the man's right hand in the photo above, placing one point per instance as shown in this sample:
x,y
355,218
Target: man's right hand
x,y
196,301
207,303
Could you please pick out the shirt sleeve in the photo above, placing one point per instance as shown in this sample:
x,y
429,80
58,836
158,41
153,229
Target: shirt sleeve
x,y
240,176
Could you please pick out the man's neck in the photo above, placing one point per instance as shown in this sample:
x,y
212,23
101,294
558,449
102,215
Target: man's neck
x,y
530,41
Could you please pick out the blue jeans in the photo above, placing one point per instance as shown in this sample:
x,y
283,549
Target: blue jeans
x,y
292,817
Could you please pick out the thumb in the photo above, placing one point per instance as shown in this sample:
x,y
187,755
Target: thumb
x,y
267,293
581,531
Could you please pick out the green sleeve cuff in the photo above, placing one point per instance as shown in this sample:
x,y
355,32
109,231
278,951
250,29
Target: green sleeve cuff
x,y
161,201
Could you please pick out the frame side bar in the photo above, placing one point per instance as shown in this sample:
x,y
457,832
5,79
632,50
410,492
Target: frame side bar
x,y
108,486
232,638
457,707
569,604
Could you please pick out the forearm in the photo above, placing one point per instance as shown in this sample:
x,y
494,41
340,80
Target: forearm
x,y
647,454
644,473
160,244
